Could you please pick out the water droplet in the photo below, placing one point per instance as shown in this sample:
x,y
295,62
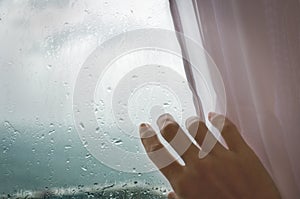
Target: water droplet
x,y
103,145
81,126
51,132
166,104
134,76
109,89
84,169
85,144
5,149
68,147
117,141
88,156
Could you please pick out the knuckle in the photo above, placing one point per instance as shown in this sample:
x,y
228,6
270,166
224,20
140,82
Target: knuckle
x,y
228,126
155,147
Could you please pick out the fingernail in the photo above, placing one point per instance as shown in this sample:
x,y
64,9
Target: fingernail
x,y
143,125
145,130
163,118
191,120
211,115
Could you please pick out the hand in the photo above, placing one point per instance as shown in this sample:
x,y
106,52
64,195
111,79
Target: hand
x,y
235,172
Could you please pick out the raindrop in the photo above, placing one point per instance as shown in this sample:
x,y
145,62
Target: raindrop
x,y
68,147
5,149
83,168
117,141
81,126
85,144
51,132
109,89
103,145
166,104
88,156
134,76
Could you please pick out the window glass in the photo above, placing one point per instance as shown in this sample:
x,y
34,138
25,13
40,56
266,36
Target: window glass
x,y
44,45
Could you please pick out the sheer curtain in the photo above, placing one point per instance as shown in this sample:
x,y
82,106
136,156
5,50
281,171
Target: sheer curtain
x,y
256,47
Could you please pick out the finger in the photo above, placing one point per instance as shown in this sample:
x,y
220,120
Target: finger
x,y
177,138
228,130
158,154
172,195
200,132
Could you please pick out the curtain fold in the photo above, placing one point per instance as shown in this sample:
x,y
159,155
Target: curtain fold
x,y
256,47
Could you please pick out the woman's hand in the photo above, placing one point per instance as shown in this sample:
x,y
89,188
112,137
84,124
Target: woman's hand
x,y
235,172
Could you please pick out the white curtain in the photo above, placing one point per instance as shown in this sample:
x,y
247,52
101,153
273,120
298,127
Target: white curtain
x,y
256,46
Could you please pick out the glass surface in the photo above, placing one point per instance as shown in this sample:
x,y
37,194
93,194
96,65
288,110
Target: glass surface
x,y
43,46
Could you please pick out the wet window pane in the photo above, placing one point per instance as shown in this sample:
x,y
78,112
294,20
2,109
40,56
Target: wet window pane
x,y
43,47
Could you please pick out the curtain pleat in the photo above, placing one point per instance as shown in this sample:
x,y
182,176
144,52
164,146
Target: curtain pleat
x,y
256,47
